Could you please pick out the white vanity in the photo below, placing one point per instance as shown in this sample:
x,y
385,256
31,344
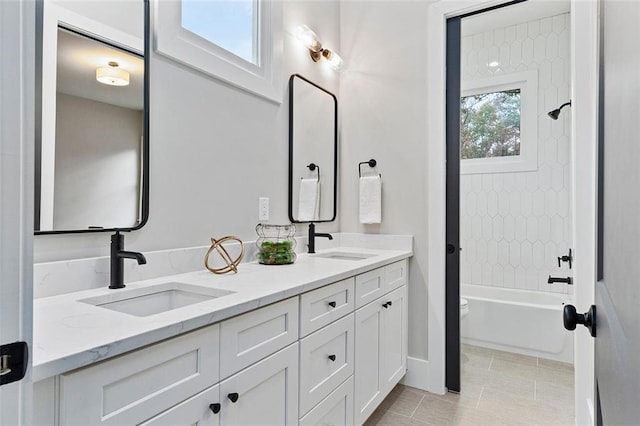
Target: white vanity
x,y
322,341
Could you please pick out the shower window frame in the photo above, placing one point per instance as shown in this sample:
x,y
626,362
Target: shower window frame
x,y
263,77
527,83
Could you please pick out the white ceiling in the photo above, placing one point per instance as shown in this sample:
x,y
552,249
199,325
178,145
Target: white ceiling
x,y
512,15
78,58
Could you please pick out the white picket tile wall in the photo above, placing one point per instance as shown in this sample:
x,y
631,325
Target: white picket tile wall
x,y
514,225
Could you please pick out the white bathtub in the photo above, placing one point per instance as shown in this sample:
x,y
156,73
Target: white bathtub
x,y
520,321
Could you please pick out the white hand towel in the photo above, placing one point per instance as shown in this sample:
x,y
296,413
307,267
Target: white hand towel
x,y
309,200
370,199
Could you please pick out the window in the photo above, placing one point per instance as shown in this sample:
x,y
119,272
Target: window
x,y
232,25
237,41
498,124
490,124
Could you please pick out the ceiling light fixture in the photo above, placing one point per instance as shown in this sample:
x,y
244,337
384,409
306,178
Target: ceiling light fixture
x,y
316,51
112,75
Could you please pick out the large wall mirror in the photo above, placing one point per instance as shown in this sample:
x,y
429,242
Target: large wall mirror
x,y
92,151
313,147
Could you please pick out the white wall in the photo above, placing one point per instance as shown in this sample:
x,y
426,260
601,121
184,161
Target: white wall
x,y
97,164
513,226
214,150
383,111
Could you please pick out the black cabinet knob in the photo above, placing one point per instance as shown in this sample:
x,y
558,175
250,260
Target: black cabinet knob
x,y
390,302
332,358
332,304
215,407
233,397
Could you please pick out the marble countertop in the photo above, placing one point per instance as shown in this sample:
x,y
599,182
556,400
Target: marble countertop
x,y
69,334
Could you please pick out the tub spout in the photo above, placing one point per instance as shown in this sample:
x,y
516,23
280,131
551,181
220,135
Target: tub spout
x,y
567,280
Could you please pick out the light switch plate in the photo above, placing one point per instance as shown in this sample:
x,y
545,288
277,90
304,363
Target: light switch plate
x,y
263,208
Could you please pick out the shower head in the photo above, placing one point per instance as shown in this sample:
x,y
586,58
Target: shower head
x,y
556,112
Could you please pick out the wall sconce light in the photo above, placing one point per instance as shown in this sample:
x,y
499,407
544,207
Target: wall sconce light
x,y
316,51
112,75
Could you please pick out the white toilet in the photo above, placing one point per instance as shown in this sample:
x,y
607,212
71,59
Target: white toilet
x,y
464,308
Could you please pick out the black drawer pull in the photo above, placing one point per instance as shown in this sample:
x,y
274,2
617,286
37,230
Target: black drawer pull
x,y
332,304
332,358
215,407
385,305
233,397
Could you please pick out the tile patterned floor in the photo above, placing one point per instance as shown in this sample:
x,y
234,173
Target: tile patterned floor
x,y
498,388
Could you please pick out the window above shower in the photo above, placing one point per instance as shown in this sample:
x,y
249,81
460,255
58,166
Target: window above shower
x,y
498,124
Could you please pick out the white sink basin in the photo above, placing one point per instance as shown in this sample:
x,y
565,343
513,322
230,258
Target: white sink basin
x,y
341,255
156,299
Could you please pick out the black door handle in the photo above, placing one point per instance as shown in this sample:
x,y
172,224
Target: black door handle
x,y
233,397
571,318
332,304
215,407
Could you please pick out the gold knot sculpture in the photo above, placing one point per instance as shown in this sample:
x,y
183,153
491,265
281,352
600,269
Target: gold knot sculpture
x,y
232,265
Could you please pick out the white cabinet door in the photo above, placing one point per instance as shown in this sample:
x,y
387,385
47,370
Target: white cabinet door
x,y
368,351
266,393
200,410
394,338
381,350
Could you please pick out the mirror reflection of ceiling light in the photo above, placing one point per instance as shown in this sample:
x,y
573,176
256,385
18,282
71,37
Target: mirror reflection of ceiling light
x,y
316,51
112,75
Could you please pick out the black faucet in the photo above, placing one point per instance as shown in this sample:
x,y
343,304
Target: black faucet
x,y
313,235
118,254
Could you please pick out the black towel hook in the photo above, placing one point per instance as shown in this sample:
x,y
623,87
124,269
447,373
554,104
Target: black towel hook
x,y
372,163
312,167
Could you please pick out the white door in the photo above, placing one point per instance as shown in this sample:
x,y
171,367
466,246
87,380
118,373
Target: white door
x,y
17,54
617,342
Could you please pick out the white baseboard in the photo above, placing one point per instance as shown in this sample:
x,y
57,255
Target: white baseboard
x,y
418,376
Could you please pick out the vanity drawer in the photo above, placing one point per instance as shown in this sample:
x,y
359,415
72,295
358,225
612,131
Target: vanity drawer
x,y
326,360
369,286
250,337
395,275
336,409
194,411
325,305
135,387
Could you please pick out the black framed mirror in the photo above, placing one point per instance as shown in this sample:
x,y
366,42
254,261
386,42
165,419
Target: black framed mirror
x,y
313,152
92,110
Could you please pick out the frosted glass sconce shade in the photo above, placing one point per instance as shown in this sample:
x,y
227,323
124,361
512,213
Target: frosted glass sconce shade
x,y
310,39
